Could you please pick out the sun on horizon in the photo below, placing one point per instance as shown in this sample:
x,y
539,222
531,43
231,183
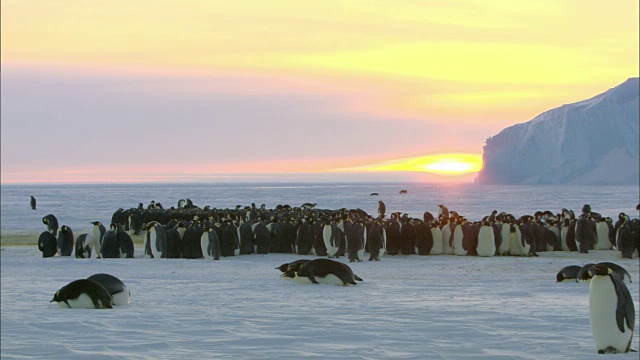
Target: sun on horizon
x,y
440,164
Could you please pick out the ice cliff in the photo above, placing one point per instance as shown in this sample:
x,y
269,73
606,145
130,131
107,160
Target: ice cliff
x,y
594,141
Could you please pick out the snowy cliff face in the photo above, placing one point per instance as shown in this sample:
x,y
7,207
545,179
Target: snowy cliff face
x,y
594,141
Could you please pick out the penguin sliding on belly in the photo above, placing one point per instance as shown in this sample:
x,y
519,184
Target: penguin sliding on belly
x,y
568,274
83,294
326,271
611,311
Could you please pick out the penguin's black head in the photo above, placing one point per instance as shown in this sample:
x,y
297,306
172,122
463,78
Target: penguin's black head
x,y
56,297
598,270
560,276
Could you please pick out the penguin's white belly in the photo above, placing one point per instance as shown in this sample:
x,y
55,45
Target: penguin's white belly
x,y
154,244
505,245
436,249
457,243
121,298
516,244
602,234
486,242
563,238
326,236
302,279
81,302
602,315
204,245
446,234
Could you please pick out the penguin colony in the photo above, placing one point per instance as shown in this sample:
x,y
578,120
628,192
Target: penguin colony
x,y
190,232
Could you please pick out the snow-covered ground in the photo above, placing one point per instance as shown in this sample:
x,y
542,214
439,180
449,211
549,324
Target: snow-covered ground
x,y
407,307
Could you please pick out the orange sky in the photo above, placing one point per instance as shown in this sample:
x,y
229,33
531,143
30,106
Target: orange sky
x,y
314,87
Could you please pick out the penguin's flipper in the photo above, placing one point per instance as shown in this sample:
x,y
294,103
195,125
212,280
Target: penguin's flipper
x,y
624,309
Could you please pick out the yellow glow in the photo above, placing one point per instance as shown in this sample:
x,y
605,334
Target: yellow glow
x,y
443,164
455,58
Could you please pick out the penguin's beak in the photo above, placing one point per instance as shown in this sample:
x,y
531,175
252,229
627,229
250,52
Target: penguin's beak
x,y
52,300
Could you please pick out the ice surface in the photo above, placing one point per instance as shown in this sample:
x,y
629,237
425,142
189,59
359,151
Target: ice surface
x,y
407,307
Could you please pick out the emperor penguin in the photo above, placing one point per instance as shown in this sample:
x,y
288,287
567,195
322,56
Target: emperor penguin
x,y
109,248
83,250
47,244
456,242
443,211
382,209
602,235
518,246
447,248
52,224
611,311
331,236
83,294
33,203
436,233
486,240
505,232
65,241
125,243
155,241
210,244
568,274
94,237
626,240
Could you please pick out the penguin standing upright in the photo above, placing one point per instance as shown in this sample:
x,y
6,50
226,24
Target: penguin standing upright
x,y
109,248
52,223
155,242
65,241
443,212
611,311
382,209
94,237
376,240
486,240
210,244
83,250
125,243
585,233
47,244
505,233
447,234
456,241
602,234
436,235
331,236
33,203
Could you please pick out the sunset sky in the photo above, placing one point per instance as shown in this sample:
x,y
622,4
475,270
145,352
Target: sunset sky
x,y
100,91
